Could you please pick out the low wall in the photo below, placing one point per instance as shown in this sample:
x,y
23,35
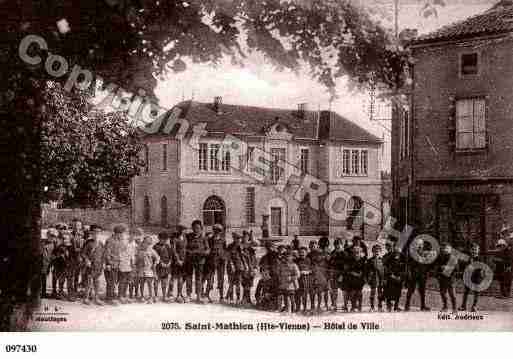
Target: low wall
x,y
104,217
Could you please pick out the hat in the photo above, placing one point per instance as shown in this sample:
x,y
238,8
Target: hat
x,y
52,232
501,242
235,235
119,228
95,227
163,235
217,227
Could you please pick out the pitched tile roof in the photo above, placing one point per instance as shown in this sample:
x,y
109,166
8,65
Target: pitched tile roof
x,y
255,121
498,19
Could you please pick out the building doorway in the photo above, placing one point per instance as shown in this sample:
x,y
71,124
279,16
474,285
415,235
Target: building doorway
x,y
214,211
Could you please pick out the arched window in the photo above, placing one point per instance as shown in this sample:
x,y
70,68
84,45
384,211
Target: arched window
x,y
214,211
304,211
163,211
146,210
354,212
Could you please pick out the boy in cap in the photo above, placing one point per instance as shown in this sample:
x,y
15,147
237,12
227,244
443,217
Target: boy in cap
x,y
395,267
289,275
305,279
72,262
248,275
163,269
337,262
268,266
356,278
146,261
236,266
92,256
445,274
216,262
78,240
112,261
135,240
197,252
126,266
476,277
375,277
179,250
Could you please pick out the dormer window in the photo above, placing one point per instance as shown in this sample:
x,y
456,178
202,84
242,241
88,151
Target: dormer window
x,y
469,64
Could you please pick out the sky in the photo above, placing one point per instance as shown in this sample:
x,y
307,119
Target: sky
x,y
260,84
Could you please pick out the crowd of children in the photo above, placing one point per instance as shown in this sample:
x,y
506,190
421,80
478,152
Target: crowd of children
x,y
291,278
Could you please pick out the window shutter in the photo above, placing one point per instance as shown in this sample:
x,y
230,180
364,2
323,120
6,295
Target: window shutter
x,y
452,124
480,123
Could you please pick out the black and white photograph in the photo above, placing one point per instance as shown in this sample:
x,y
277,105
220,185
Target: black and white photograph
x,y
256,166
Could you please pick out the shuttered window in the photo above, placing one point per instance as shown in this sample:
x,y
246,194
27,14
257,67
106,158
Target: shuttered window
x,y
470,124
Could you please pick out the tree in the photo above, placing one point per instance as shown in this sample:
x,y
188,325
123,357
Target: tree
x,y
127,41
87,155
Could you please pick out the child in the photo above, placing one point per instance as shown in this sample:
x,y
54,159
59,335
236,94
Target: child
x,y
92,256
476,278
248,276
264,296
356,278
163,268
197,251
375,277
236,267
288,276
136,237
179,251
305,280
319,276
126,266
146,261
394,275
337,261
47,257
71,265
58,266
216,262
445,276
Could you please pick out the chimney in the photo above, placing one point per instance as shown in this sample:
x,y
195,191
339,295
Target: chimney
x,y
301,109
218,100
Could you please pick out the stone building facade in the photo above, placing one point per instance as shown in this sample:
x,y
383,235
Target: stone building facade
x,y
197,177
451,147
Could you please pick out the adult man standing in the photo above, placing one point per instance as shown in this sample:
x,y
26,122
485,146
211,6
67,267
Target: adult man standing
x,y
112,262
197,252
216,262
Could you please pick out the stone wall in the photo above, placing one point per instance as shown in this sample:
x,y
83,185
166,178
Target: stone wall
x,y
105,217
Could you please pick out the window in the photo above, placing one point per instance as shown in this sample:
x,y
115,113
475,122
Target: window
x,y
278,155
305,154
249,157
203,155
404,139
214,211
214,157
304,211
250,205
225,162
146,210
146,159
163,211
469,64
346,164
354,213
355,162
364,158
164,157
470,124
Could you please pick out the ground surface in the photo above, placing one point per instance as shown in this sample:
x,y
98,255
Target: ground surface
x,y
497,314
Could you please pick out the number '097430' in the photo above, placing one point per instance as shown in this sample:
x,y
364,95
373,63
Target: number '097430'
x,y
17,348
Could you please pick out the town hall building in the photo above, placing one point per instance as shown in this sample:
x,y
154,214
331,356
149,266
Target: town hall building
x,y
183,182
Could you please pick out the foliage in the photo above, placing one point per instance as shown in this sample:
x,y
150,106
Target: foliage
x,y
87,155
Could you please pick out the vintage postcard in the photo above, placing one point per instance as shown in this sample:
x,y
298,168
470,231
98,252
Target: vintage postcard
x,y
267,166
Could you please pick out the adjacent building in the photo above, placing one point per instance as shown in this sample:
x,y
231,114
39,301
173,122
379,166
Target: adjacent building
x,y
452,147
206,181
